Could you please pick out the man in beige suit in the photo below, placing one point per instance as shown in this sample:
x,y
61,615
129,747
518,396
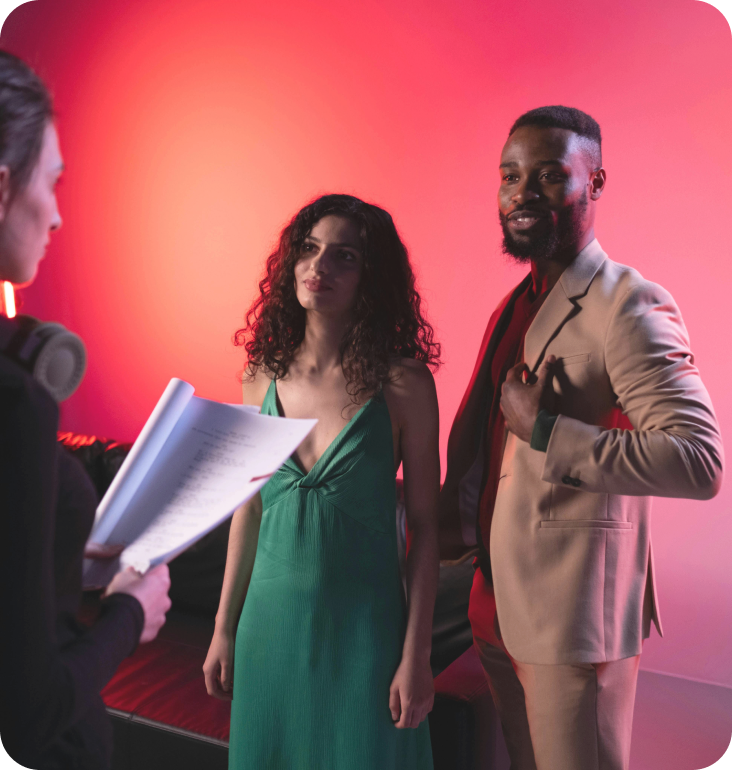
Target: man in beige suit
x,y
583,404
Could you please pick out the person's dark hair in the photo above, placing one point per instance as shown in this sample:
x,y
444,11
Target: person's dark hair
x,y
387,319
571,118
25,110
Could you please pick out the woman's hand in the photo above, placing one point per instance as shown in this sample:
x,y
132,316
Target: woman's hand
x,y
411,694
218,670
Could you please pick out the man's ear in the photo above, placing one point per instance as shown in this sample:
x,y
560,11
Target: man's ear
x,y
4,191
597,183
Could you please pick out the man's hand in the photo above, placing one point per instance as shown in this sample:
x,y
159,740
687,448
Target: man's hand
x,y
522,401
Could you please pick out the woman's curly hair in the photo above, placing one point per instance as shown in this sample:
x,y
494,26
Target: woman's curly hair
x,y
387,319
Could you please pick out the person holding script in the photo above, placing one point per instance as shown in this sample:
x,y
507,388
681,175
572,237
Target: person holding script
x,y
51,669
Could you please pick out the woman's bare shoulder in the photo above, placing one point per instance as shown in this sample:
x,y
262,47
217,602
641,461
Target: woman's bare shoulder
x,y
411,385
411,394
254,387
408,374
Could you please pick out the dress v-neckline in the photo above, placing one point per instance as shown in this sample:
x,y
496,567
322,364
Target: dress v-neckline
x,y
330,448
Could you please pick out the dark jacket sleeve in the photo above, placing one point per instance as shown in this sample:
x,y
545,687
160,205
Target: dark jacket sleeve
x,y
44,689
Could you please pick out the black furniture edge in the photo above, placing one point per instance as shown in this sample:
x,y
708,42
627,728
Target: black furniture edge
x,y
137,720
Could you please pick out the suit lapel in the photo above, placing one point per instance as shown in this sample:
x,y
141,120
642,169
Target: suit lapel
x,y
464,437
552,315
562,303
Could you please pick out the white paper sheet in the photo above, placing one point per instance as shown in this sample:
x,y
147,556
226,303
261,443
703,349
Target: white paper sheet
x,y
154,434
213,458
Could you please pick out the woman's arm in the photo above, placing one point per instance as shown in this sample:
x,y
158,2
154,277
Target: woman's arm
x,y
413,401
218,668
243,538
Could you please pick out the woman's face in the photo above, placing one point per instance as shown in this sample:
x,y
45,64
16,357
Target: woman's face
x,y
28,218
329,269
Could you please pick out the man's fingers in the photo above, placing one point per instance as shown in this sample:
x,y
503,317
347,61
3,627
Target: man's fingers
x,y
545,370
515,373
542,375
521,373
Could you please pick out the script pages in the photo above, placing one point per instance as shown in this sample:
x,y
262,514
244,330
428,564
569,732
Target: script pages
x,y
194,462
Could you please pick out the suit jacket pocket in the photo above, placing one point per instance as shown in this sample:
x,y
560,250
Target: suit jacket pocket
x,y
578,358
585,524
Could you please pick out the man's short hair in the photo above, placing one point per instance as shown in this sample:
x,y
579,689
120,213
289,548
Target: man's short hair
x,y
570,118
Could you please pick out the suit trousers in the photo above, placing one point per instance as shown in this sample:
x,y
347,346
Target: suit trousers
x,y
555,717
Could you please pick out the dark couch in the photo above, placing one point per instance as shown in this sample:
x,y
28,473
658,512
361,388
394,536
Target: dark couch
x,y
161,713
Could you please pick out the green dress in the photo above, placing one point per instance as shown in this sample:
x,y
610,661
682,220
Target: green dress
x,y
321,632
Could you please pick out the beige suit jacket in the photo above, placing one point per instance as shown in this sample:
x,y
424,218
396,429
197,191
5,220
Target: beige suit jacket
x,y
570,542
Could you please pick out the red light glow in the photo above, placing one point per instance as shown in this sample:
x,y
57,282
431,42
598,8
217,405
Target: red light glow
x,y
8,299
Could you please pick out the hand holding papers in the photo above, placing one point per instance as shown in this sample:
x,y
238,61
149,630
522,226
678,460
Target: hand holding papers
x,y
194,462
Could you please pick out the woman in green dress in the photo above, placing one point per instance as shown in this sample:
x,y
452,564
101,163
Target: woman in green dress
x,y
326,661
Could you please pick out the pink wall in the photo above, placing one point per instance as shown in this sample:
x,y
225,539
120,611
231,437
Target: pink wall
x,y
193,130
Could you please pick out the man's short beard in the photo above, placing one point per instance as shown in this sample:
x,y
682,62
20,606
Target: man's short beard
x,y
548,245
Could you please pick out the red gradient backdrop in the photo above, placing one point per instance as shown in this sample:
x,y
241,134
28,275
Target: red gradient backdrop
x,y
193,130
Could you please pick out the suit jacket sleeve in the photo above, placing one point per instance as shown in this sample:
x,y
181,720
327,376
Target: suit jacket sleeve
x,y
675,448
45,688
